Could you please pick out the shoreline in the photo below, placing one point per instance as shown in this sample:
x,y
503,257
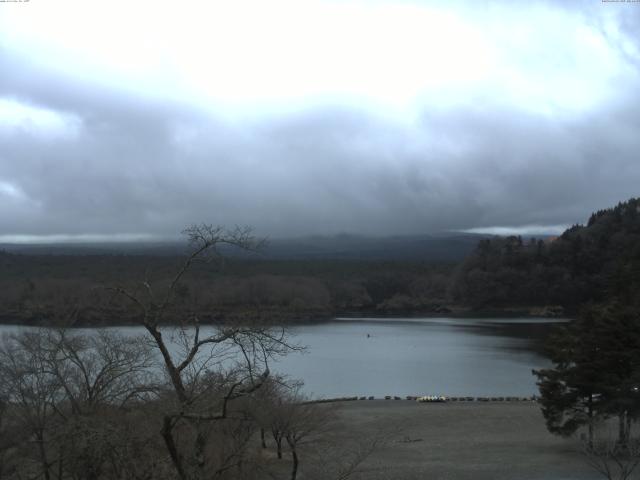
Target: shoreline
x,y
444,399
461,441
366,315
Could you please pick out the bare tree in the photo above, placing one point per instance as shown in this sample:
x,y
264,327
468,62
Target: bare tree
x,y
340,457
93,405
207,368
311,433
7,432
612,459
31,392
100,374
104,368
265,407
66,392
304,423
276,411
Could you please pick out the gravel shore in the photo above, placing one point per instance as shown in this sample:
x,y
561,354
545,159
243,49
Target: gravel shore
x,y
492,440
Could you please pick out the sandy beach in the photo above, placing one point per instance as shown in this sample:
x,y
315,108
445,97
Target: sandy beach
x,y
500,440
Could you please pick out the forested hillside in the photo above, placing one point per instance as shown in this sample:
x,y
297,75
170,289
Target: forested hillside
x,y
596,262
34,288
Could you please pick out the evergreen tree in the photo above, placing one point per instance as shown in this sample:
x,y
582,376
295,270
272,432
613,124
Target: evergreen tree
x,y
599,262
596,372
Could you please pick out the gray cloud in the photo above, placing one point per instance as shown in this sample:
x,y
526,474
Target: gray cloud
x,y
127,164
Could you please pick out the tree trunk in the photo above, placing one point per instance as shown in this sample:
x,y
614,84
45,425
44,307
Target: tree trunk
x,y
60,465
173,372
264,443
294,457
167,435
590,414
623,437
198,454
199,446
43,456
277,437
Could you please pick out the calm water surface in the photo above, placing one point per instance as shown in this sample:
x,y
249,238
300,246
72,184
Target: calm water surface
x,y
419,356
488,357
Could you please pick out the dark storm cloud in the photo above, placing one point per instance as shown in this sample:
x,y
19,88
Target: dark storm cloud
x,y
130,164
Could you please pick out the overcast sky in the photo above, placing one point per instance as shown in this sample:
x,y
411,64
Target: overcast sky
x,y
123,119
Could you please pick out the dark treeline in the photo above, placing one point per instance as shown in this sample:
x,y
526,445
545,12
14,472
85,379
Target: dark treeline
x,y
596,373
35,287
596,262
594,381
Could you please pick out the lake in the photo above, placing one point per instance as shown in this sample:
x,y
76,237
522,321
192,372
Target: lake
x,y
456,357
417,356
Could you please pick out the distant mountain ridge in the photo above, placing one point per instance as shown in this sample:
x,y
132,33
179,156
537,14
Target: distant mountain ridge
x,y
430,248
448,248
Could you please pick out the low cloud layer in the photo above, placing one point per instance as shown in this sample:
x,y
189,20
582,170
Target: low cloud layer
x,y
84,157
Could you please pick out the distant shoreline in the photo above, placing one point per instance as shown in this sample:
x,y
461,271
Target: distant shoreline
x,y
286,319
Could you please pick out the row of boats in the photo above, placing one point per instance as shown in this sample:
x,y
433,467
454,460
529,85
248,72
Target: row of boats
x,y
432,398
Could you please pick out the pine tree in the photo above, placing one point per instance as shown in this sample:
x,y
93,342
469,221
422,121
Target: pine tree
x,y
596,372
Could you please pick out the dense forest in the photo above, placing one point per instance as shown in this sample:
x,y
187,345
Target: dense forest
x,y
37,287
596,262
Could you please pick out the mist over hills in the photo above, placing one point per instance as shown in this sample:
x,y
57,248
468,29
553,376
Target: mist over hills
x,y
446,247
